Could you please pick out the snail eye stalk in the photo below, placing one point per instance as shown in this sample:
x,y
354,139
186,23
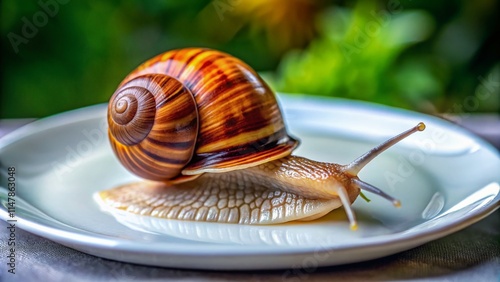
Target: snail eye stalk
x,y
354,167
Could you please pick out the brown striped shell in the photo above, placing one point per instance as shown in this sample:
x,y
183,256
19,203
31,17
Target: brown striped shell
x,y
190,111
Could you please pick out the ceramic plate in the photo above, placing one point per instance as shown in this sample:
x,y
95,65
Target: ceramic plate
x,y
445,177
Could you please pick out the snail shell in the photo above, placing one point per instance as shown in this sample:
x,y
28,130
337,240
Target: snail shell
x,y
191,111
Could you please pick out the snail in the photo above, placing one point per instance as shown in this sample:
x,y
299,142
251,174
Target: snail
x,y
207,134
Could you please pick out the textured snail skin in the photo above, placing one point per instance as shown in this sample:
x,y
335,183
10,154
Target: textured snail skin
x,y
291,188
286,189
238,121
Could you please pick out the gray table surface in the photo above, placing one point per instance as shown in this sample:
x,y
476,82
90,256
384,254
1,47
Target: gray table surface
x,y
472,254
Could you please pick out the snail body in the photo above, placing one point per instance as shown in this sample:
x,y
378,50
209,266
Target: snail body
x,y
247,196
208,132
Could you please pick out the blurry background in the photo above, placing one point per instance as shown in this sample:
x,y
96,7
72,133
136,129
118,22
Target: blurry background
x,y
429,56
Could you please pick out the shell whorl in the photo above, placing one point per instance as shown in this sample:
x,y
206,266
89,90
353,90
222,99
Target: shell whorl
x,y
153,125
240,123
132,111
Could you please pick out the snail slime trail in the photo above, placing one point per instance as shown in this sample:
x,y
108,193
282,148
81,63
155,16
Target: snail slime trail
x,y
208,135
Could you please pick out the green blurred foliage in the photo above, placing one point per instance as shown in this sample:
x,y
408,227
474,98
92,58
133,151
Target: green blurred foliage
x,y
355,55
390,53
423,55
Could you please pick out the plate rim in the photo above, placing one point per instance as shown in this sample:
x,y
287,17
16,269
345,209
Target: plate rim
x,y
125,251
90,112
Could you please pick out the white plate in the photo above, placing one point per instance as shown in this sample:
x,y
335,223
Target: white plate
x,y
445,178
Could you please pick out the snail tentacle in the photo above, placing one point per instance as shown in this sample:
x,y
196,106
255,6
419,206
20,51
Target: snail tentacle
x,y
346,203
370,188
355,166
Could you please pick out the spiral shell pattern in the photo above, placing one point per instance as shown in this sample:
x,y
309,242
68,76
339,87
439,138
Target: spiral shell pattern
x,y
240,123
149,138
